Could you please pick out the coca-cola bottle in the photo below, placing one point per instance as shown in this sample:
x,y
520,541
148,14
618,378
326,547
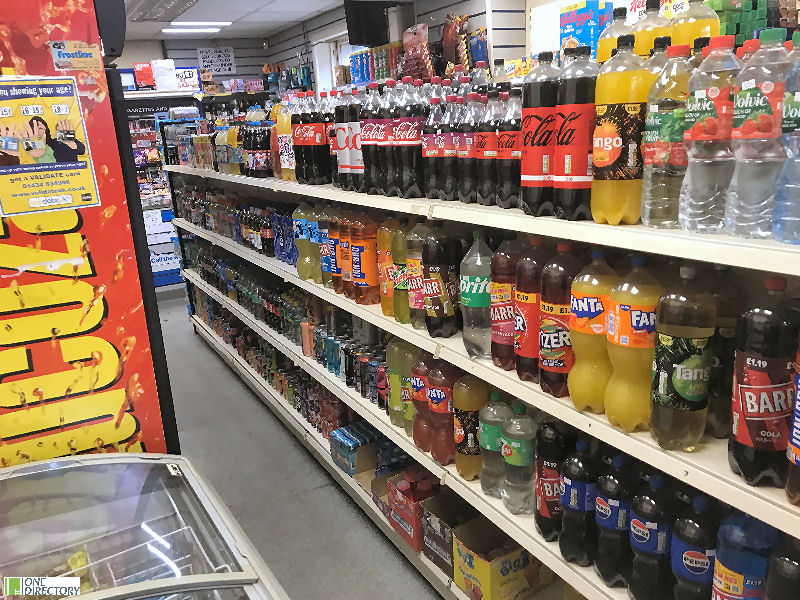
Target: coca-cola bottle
x,y
575,116
539,98
327,107
432,149
436,88
317,149
509,150
448,177
341,115
467,163
485,143
441,255
408,121
388,175
373,131
356,157
299,117
464,85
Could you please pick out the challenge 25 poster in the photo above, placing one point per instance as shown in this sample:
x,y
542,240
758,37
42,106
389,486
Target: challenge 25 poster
x,y
76,371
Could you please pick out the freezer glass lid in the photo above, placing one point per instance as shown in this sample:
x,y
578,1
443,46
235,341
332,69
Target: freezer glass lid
x,y
111,524
232,593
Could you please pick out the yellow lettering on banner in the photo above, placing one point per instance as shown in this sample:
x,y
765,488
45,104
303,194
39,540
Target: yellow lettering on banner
x,y
78,311
97,374
59,221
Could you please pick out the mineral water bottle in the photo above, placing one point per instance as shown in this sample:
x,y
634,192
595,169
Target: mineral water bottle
x,y
757,112
490,438
475,277
519,438
786,220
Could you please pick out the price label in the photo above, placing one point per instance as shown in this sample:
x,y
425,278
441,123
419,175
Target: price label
x,y
6,111
60,109
29,110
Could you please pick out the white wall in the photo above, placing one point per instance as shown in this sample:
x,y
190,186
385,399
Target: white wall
x,y
138,51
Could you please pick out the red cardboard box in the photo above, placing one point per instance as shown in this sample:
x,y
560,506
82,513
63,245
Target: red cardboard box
x,y
405,514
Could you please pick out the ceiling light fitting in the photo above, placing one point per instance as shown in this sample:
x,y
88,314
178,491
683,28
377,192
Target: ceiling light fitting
x,y
191,30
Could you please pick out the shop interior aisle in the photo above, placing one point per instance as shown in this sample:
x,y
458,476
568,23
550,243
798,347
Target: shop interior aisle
x,y
316,540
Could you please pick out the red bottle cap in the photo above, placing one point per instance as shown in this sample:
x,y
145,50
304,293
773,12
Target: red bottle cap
x,y
722,41
417,82
472,96
536,241
355,92
435,80
563,247
739,52
464,79
323,94
461,100
788,45
373,85
706,51
678,50
504,96
446,82
436,100
751,45
334,93
774,284
451,97
310,94
458,67
481,64
391,82
407,79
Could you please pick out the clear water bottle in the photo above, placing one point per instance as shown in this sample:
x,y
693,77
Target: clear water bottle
x,y
490,438
708,119
757,112
475,278
786,220
519,440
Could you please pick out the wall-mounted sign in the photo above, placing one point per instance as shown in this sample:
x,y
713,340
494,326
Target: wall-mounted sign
x,y
219,61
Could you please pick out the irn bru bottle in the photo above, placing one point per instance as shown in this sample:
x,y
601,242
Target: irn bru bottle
x,y
631,338
620,106
697,21
587,331
364,258
386,265
608,38
646,30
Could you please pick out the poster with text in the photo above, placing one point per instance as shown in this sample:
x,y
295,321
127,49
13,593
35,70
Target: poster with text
x,y
76,365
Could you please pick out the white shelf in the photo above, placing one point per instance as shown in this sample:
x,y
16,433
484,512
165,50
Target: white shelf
x,y
519,527
147,94
766,255
320,448
706,469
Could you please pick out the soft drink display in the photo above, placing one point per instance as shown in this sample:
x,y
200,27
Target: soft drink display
x,y
527,314
504,276
509,151
467,159
364,258
697,21
386,264
440,260
589,302
723,348
612,511
475,279
432,149
608,37
421,431
374,135
651,537
400,273
762,390
631,339
579,531
554,440
490,437
786,220
451,139
519,440
484,143
694,540
539,99
555,348
409,115
416,294
647,29
470,395
441,379
744,545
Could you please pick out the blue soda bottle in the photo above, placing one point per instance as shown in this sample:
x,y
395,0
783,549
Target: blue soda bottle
x,y
694,540
744,545
612,513
579,473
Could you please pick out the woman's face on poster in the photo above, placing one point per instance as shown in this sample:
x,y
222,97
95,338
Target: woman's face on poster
x,y
39,129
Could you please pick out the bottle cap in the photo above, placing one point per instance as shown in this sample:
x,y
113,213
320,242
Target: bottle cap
x,y
373,85
460,100
417,82
796,39
334,93
481,64
464,79
435,100
706,51
518,407
700,43
619,461
446,82
504,96
626,41
582,445
661,42
407,79
323,94
472,96
598,254
739,52
570,51
403,486
774,284
310,94
563,247
545,56
458,67
477,234
637,260
391,82
653,5
499,62
656,481
450,98
515,92
788,45
620,12
536,240
436,80
722,41
772,34
495,395
678,50
751,45
701,503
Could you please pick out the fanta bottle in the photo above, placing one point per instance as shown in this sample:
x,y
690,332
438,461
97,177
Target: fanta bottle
x,y
631,339
587,331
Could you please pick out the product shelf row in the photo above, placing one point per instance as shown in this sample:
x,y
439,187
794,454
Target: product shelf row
x,y
706,469
520,527
766,255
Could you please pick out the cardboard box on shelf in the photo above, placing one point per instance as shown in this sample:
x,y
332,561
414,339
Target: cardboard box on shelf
x,y
440,515
380,492
353,448
405,514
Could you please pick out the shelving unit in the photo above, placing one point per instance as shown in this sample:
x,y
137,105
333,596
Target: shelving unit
x,y
766,255
707,469
149,94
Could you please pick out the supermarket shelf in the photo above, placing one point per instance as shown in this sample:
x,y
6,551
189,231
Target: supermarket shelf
x,y
320,448
146,94
766,255
706,469
519,527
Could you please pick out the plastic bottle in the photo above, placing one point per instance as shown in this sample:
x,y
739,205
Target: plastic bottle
x,y
631,338
527,314
519,440
400,273
373,132
409,358
587,332
554,440
499,73
664,153
364,256
575,117
341,117
620,96
707,137
475,278
421,431
579,473
440,260
694,542
555,348
697,21
744,545
612,512
396,350
356,154
698,48
609,35
274,151
467,161
762,390
306,236
330,131
658,55
334,240
652,519
409,117
783,580
648,28
416,295
387,183
484,142
470,395
323,235
757,112
441,379
432,149
285,142
786,220
490,437
509,150
539,99
386,264
448,180
479,75
503,284
345,258
299,115
318,151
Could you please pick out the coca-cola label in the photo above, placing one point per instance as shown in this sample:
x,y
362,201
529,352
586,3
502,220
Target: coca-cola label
x,y
548,488
407,131
450,144
762,400
509,145
309,134
439,290
331,132
538,146
572,163
709,114
502,313
757,110
617,141
355,154
526,324
343,147
432,145
376,131
484,144
464,145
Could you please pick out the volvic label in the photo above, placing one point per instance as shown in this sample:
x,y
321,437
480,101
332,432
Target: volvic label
x,y
757,110
709,114
663,137
681,371
791,112
475,291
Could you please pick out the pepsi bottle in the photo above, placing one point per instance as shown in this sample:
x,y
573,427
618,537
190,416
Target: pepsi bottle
x,y
554,440
783,581
578,538
612,512
694,540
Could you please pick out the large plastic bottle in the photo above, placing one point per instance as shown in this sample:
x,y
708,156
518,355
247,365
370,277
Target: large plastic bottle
x,y
475,278
324,213
386,264
694,542
356,155
285,142
409,116
757,114
330,131
373,132
301,116
432,149
470,395
786,220
399,273
608,37
509,150
658,55
554,440
664,153
579,473
697,21
620,96
504,277
440,260
448,182
441,379
341,117
527,314
612,512
387,183
421,431
631,338
345,258
396,350
727,293
416,295
519,441
648,28
683,356
484,142
306,236
587,332
783,580
334,239
466,160
364,256
744,545
707,136
490,437
652,519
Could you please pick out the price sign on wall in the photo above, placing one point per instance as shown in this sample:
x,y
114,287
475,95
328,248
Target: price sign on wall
x,y
219,61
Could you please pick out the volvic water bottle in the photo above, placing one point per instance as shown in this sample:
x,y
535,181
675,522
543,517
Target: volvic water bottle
x,y
786,219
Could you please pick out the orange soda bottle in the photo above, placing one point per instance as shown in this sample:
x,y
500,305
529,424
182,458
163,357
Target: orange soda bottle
x,y
344,258
386,264
364,258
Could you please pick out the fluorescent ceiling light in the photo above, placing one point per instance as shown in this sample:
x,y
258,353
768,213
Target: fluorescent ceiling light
x,y
200,23
191,30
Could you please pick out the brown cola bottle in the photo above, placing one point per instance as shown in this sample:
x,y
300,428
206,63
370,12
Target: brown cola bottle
x,y
526,309
440,259
485,143
502,286
509,150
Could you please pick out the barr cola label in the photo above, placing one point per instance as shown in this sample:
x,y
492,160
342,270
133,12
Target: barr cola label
x,y
757,110
681,370
439,290
616,146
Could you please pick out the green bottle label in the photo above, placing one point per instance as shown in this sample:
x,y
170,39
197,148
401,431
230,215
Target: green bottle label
x,y
395,392
490,437
791,112
518,453
475,291
408,405
681,370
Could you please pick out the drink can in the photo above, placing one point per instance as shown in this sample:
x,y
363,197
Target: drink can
x,y
351,365
329,361
373,380
344,346
363,374
334,363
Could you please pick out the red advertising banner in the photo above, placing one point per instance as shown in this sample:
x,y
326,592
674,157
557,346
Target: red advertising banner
x,y
76,370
